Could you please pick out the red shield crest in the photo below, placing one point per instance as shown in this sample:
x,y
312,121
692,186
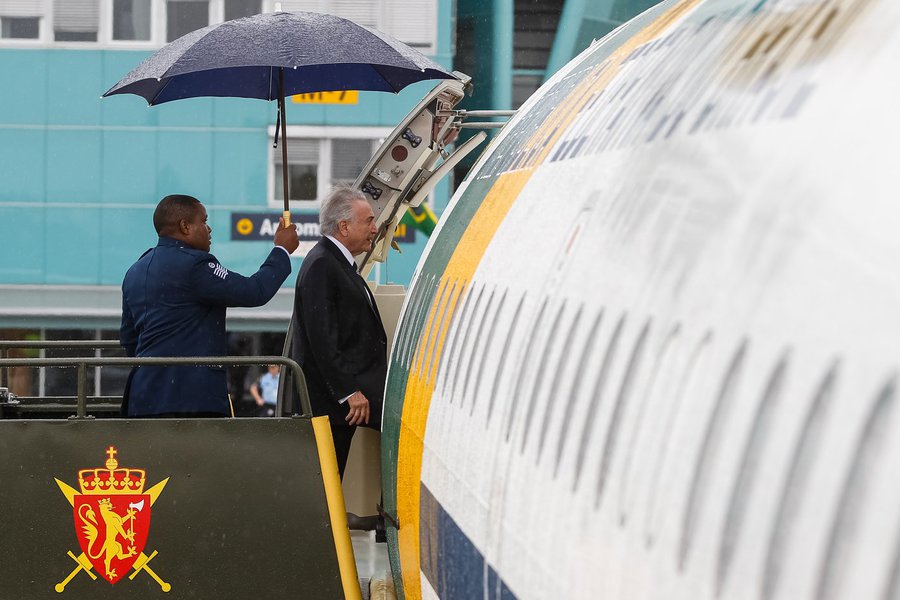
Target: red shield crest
x,y
112,530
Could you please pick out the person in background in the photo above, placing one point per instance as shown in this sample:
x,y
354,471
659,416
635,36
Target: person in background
x,y
265,390
173,304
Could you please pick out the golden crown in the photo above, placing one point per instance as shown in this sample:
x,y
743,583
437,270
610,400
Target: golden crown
x,y
112,479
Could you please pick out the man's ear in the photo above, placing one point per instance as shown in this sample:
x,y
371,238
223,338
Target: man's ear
x,y
183,226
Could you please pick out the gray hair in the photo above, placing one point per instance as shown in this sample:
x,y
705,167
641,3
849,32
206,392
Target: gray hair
x,y
336,207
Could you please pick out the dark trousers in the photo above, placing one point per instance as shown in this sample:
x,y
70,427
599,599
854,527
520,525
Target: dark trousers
x,y
342,435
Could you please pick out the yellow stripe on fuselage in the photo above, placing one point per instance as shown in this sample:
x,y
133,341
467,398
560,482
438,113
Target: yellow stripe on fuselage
x,y
461,268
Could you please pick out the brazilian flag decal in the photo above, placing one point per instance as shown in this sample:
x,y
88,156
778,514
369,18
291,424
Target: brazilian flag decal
x,y
421,218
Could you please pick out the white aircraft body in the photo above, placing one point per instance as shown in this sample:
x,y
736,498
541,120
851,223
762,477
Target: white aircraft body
x,y
651,350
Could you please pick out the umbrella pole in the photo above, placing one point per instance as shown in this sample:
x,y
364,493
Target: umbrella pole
x,y
284,159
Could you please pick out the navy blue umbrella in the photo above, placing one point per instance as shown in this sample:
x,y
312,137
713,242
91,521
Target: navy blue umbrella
x,y
273,55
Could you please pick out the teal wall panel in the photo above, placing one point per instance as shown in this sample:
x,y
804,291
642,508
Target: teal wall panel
x,y
72,245
240,167
393,112
24,96
22,164
129,168
21,244
302,114
242,112
363,113
190,112
74,85
126,110
74,165
125,234
184,164
80,176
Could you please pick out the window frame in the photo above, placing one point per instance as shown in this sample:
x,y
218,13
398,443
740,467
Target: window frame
x,y
158,26
324,134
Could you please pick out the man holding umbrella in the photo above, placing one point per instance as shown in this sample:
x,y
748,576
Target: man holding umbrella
x,y
173,304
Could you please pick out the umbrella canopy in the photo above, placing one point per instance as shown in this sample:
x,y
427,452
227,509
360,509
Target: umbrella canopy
x,y
273,55
244,57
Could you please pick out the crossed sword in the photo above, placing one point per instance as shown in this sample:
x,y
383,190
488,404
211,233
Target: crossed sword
x,y
141,564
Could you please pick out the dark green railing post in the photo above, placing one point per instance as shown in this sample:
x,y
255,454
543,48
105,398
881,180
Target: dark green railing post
x,y
81,406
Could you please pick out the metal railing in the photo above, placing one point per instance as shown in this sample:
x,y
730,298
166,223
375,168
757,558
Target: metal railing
x,y
219,361
6,345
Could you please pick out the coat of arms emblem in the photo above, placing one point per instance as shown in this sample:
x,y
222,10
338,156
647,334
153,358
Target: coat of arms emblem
x,y
112,521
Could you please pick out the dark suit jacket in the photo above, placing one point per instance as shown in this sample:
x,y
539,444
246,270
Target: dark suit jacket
x,y
338,337
173,304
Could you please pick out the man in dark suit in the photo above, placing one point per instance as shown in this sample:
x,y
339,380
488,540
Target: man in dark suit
x,y
338,337
173,304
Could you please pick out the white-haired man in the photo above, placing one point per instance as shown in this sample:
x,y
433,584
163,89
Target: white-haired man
x,y
338,337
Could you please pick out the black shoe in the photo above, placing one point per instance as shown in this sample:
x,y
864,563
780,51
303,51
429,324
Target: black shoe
x,y
357,523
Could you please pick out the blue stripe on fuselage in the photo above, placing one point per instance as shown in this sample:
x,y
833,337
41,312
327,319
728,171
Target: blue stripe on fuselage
x,y
454,567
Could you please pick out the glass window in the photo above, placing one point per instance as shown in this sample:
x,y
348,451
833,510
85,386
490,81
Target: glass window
x,y
303,169
235,9
185,16
75,20
131,19
20,28
348,157
303,179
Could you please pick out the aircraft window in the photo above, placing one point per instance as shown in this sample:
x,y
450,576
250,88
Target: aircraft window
x,y
525,353
483,347
612,430
470,319
709,451
430,324
693,376
453,328
596,398
473,351
853,493
578,376
807,447
547,349
656,387
557,375
402,343
408,322
891,588
504,353
418,326
748,470
487,348
451,301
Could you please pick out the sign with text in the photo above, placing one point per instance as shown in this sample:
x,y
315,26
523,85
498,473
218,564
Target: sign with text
x,y
341,97
254,227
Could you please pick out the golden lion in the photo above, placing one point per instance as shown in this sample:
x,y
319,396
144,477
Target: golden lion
x,y
115,526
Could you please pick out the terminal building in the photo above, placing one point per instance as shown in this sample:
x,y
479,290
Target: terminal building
x,y
80,176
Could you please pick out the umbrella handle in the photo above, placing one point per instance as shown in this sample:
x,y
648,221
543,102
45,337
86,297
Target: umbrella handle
x,y
282,120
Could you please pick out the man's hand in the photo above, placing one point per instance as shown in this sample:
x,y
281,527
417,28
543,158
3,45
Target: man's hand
x,y
286,237
359,409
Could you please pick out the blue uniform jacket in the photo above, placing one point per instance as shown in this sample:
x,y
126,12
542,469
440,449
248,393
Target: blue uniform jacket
x,y
173,304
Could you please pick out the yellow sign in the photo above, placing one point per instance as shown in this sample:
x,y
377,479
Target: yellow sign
x,y
342,97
